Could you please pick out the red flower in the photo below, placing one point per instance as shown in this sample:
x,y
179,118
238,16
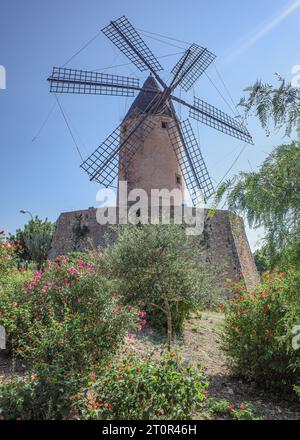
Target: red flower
x,y
72,398
243,406
264,293
231,406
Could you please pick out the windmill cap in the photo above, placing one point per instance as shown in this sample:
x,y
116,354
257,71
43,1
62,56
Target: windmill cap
x,y
146,96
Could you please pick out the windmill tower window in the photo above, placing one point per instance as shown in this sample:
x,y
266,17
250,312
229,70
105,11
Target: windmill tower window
x,y
178,179
164,124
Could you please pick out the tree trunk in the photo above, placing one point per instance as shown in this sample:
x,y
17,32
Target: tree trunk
x,y
169,323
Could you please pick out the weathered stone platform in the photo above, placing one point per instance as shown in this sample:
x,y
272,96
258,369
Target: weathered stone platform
x,y
223,239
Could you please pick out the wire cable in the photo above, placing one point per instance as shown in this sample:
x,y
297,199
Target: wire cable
x,y
162,41
69,128
221,94
232,165
225,87
82,48
165,36
44,123
128,64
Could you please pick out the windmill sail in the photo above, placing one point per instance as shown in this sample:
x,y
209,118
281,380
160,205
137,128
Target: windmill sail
x,y
128,40
192,65
102,165
77,81
114,156
215,118
191,161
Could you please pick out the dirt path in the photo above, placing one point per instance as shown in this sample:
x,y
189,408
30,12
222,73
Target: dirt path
x,y
201,345
8,366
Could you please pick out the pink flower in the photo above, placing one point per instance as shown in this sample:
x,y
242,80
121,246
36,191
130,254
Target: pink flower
x,y
71,270
117,309
37,276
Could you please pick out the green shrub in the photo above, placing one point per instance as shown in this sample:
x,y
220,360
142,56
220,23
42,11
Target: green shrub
x,y
259,330
36,239
161,267
297,390
16,399
64,323
223,408
143,388
9,252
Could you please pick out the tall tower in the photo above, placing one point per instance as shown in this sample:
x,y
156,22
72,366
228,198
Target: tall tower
x,y
154,165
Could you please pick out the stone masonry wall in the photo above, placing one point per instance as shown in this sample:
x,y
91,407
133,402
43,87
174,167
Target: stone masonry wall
x,y
224,241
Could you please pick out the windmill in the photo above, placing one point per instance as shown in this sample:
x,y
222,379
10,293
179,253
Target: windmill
x,y
152,147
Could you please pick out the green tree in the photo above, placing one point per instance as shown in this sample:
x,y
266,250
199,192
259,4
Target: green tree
x,y
262,259
158,265
270,197
36,239
2,235
278,105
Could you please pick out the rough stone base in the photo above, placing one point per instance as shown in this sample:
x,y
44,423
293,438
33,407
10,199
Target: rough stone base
x,y
223,239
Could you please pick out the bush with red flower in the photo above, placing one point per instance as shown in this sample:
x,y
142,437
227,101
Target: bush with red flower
x,y
8,256
143,388
259,329
217,408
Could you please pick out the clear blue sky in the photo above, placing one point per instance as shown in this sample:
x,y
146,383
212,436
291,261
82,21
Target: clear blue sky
x,y
251,38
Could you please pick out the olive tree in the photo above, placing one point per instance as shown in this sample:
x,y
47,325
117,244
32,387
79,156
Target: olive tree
x,y
162,268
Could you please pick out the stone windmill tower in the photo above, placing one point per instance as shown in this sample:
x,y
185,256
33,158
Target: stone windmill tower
x,y
152,148
154,165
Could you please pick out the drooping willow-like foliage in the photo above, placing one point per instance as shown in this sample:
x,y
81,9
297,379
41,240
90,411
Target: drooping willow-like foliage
x,y
280,105
270,198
